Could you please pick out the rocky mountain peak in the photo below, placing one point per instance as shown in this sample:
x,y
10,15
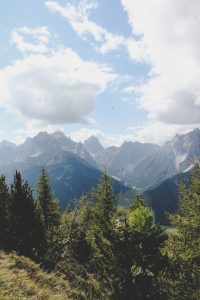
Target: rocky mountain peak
x,y
93,145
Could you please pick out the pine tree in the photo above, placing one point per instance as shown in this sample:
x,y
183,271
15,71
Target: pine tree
x,y
100,233
49,214
5,214
46,204
182,278
23,222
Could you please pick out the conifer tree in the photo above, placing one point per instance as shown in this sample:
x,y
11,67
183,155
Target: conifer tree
x,y
138,253
5,214
182,278
48,212
100,233
23,222
46,204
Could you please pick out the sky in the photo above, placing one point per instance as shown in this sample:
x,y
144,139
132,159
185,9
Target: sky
x,y
118,69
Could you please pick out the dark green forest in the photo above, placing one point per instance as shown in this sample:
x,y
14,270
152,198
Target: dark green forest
x,y
103,251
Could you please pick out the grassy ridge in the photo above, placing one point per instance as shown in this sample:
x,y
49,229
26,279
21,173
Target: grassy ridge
x,y
22,279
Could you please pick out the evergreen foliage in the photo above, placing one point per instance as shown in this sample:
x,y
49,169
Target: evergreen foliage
x,y
99,242
23,220
102,251
49,216
5,217
182,277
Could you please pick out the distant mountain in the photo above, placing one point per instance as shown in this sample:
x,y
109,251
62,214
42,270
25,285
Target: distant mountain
x,y
173,158
45,143
7,151
128,156
71,168
119,161
93,146
164,198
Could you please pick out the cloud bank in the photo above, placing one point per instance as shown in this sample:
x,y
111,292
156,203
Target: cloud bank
x,y
168,40
58,88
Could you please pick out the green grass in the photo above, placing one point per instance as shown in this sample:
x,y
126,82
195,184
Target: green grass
x,y
22,279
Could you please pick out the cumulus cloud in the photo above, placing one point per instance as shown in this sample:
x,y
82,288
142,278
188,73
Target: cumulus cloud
x,y
59,88
40,38
79,18
168,40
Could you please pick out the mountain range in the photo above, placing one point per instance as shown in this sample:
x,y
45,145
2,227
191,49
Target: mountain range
x,y
74,168
71,168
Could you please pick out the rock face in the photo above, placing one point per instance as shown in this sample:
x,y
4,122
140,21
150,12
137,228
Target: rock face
x,y
45,144
128,156
119,161
174,157
93,146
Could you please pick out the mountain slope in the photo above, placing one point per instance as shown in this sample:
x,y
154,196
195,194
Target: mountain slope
x,y
164,198
45,144
173,158
128,156
93,146
119,161
70,175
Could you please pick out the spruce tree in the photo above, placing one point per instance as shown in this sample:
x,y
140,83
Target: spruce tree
x,y
23,222
46,204
49,214
5,214
100,234
182,277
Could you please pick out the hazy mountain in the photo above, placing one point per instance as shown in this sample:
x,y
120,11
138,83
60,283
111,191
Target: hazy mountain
x,y
93,146
70,175
7,151
119,161
164,198
71,168
128,156
46,144
174,157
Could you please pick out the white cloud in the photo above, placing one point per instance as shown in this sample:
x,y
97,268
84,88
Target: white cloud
x,y
79,18
59,88
168,40
40,38
105,139
158,132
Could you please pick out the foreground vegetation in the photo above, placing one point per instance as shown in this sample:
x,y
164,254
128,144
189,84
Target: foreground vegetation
x,y
21,278
95,250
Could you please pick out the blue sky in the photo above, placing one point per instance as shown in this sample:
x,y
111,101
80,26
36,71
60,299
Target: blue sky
x,y
108,68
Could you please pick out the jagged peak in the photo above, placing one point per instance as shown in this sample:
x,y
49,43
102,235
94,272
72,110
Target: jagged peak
x,y
58,135
93,139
